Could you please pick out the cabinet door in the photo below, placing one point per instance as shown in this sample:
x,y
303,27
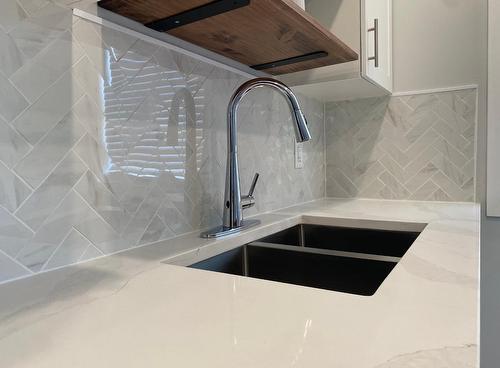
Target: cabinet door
x,y
376,42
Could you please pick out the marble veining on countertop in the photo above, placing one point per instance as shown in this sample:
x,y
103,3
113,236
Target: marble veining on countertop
x,y
133,310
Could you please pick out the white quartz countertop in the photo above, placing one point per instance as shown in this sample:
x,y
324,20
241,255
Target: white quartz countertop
x,y
133,310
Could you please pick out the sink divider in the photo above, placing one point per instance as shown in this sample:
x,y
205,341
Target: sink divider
x,y
245,261
327,252
302,236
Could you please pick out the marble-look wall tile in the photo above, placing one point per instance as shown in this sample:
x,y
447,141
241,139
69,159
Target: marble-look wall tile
x,y
109,142
103,202
11,15
37,165
13,147
32,6
14,235
69,251
49,109
34,77
34,33
413,147
10,269
12,103
13,191
11,58
49,194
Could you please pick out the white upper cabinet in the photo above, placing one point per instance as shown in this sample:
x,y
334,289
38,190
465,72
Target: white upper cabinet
x,y
366,27
376,30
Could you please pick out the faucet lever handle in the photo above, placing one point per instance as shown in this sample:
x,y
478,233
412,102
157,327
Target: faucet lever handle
x,y
248,200
254,183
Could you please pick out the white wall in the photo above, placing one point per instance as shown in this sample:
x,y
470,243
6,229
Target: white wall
x,y
439,44
436,43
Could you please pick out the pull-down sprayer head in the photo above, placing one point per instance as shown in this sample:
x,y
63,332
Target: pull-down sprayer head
x,y
302,133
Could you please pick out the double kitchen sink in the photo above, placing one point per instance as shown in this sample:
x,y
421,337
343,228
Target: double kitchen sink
x,y
344,259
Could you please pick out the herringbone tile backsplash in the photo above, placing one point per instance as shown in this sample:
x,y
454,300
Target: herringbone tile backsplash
x,y
419,147
108,142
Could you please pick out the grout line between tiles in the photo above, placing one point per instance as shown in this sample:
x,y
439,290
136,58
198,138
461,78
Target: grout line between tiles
x,y
55,250
17,262
57,163
94,211
151,221
42,95
44,222
80,259
45,179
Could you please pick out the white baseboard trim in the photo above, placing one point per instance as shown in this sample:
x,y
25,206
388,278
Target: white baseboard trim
x,y
435,90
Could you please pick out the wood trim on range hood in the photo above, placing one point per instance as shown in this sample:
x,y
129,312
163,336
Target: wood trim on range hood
x,y
275,36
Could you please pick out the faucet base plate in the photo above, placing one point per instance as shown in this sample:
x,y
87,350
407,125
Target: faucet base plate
x,y
221,231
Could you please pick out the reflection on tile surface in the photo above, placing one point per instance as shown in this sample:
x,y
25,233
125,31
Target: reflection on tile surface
x,y
114,142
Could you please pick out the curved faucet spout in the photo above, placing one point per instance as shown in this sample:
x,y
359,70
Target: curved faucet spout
x,y
300,122
233,208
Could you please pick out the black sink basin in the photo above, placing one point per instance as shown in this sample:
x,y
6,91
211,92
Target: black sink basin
x,y
381,242
354,261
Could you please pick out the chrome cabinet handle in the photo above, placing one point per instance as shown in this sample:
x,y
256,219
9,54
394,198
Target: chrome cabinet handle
x,y
374,29
248,200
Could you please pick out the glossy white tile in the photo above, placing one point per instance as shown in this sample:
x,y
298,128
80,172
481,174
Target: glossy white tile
x,y
36,32
38,74
13,191
50,193
13,147
11,15
49,109
103,202
32,6
90,253
11,58
12,103
71,250
9,269
46,154
14,235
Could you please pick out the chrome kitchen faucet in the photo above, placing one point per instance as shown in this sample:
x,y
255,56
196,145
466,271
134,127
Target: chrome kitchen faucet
x,y
234,202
